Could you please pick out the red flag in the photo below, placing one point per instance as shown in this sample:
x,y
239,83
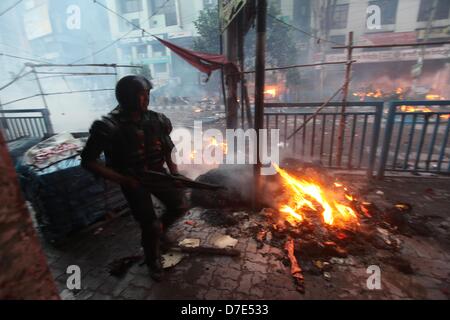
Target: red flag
x,y
205,62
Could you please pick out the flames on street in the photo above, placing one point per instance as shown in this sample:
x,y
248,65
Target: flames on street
x,y
308,197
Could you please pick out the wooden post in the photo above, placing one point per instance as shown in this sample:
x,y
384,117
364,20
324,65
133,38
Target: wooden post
x,y
260,66
344,99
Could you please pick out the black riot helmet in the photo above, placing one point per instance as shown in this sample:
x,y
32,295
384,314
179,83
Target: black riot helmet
x,y
128,89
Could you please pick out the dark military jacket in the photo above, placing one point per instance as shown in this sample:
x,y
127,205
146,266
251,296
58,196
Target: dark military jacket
x,y
130,147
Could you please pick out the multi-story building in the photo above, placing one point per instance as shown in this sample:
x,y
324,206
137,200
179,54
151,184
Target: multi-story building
x,y
64,31
168,19
374,22
419,70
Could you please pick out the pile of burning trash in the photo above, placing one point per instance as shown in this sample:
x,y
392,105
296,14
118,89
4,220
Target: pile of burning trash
x,y
318,221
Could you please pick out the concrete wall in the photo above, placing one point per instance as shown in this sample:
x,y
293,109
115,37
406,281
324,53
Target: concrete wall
x,y
24,273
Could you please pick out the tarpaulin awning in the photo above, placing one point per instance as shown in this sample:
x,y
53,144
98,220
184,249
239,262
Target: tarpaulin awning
x,y
205,62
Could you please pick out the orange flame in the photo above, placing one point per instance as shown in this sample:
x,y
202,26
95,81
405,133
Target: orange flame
x,y
271,92
303,193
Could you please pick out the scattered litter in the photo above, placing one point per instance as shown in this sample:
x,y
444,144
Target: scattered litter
x,y
240,215
379,192
171,259
190,243
403,207
224,241
335,260
98,231
190,222
327,276
318,264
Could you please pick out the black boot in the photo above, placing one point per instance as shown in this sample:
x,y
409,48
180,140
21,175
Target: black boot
x,y
167,242
155,269
151,243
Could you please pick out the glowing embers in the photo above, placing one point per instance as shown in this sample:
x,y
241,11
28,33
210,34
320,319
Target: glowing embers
x,y
306,198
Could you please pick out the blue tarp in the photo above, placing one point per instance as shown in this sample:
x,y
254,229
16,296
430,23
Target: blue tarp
x,y
67,198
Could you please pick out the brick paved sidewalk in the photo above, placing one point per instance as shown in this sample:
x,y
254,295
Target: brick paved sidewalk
x,y
262,273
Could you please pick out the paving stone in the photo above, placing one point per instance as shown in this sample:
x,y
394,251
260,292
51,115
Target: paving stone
x,y
84,295
224,283
134,293
245,283
435,294
214,294
255,257
143,281
228,273
251,266
252,246
99,296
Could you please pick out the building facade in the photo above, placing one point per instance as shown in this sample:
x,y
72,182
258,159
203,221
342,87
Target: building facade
x,y
172,20
63,31
376,22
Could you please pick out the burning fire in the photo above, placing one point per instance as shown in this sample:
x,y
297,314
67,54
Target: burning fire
x,y
271,91
304,197
434,97
214,143
414,109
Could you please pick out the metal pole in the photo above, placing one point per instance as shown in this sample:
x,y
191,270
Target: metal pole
x,y
231,78
261,26
241,60
344,99
222,72
48,123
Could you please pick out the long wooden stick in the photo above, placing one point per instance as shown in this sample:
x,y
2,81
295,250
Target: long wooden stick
x,y
296,271
315,113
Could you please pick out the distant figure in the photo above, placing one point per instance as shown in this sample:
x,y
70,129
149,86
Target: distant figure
x,y
134,140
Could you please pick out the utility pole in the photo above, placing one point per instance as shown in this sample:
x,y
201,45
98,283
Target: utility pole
x,y
348,71
260,66
231,77
417,69
242,66
46,114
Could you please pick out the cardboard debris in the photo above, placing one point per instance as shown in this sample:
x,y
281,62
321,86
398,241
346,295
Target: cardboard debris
x,y
224,241
190,243
172,258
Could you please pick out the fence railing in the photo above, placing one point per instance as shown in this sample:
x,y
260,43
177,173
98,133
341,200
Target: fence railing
x,y
416,137
16,124
318,139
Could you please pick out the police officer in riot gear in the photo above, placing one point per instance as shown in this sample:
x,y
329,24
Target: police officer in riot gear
x,y
135,139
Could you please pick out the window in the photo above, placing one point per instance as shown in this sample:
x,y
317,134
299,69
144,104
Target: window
x,y
340,39
388,10
142,51
158,50
126,53
129,6
340,16
160,67
168,9
135,23
209,3
441,12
